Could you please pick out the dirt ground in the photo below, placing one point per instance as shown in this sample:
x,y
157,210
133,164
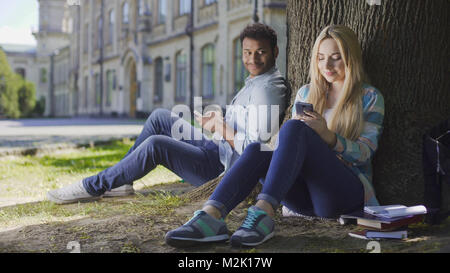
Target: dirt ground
x,y
131,233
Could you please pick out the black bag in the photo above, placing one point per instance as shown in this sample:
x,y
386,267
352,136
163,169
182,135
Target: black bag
x,y
436,170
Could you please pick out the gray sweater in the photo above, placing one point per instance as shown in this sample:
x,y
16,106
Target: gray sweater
x,y
255,113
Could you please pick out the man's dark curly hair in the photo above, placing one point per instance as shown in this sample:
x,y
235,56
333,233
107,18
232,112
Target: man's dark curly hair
x,y
258,31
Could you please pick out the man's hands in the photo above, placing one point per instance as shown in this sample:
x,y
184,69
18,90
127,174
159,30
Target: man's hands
x,y
319,125
213,122
209,120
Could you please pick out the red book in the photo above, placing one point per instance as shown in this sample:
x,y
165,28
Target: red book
x,y
388,224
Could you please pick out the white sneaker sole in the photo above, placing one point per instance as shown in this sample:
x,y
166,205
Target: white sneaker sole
x,y
204,240
117,193
61,202
269,236
188,242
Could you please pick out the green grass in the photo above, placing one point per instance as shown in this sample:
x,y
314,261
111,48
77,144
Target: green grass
x,y
45,212
30,177
24,181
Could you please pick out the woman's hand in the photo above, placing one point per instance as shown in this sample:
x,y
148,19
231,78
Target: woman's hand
x,y
319,125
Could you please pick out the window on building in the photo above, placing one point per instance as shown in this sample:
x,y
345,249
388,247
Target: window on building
x,y
111,26
181,76
142,7
86,38
239,71
209,2
97,89
125,13
208,71
43,75
162,11
159,81
184,7
110,77
99,32
86,92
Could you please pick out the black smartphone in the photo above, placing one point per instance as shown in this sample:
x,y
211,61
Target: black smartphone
x,y
300,107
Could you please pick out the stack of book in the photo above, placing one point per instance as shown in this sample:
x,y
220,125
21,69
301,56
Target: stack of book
x,y
388,222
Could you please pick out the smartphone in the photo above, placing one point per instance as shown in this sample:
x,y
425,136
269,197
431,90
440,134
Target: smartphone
x,y
300,107
197,114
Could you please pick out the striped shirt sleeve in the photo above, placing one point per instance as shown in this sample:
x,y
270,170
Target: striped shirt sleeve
x,y
302,95
361,151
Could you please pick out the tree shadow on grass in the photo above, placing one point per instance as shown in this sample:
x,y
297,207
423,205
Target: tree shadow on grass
x,y
103,157
103,229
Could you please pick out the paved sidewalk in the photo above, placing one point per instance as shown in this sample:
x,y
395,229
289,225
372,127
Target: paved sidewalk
x,y
28,136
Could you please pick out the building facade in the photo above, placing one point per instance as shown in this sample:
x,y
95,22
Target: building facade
x,y
129,57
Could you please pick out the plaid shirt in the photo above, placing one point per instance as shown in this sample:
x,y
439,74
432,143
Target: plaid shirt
x,y
358,154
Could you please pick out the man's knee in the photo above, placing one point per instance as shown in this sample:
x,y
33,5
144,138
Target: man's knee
x,y
159,113
156,142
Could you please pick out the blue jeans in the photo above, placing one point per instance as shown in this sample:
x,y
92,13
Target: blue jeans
x,y
303,174
196,161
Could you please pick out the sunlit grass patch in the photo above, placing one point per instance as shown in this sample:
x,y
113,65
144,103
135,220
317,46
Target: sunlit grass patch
x,y
47,212
35,213
25,180
32,176
159,203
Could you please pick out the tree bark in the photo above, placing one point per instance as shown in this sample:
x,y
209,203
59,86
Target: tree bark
x,y
405,51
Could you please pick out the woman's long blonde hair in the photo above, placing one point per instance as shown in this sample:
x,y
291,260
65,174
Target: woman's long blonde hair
x,y
347,117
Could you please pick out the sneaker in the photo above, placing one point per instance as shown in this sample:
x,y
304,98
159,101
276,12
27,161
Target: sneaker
x,y
257,228
202,228
124,190
71,194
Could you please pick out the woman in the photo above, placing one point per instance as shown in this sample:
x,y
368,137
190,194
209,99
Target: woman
x,y
322,165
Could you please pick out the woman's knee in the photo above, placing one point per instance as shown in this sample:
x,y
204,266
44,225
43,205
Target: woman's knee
x,y
291,131
293,125
253,148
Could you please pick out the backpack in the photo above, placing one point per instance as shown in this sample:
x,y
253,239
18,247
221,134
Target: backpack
x,y
436,170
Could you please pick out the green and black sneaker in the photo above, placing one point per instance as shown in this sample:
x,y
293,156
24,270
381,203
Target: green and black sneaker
x,y
202,228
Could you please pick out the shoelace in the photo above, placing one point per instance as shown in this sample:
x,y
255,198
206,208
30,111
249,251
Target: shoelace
x,y
250,220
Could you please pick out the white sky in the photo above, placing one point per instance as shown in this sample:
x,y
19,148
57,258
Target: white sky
x,y
17,18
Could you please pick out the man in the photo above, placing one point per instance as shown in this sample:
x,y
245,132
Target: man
x,y
198,159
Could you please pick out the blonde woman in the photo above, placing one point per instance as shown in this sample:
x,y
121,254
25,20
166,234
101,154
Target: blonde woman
x,y
322,165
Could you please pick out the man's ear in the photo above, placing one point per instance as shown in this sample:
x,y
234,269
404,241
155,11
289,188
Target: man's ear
x,y
276,51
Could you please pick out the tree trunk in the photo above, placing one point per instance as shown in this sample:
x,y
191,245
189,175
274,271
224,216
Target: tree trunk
x,y
405,51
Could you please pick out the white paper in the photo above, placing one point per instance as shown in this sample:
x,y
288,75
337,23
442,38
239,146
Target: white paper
x,y
395,210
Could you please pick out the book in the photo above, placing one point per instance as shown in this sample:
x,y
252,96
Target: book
x,y
389,223
370,234
391,211
367,220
